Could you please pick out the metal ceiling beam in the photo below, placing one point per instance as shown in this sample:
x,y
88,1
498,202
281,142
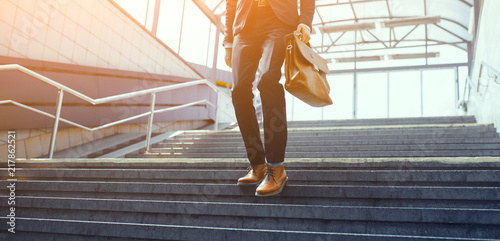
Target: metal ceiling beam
x,y
405,36
345,3
382,42
415,56
210,15
398,68
411,21
370,1
353,11
390,18
466,3
216,20
388,56
437,43
477,11
346,27
388,9
343,28
156,15
356,19
216,6
333,42
448,31
417,40
426,35
379,18
338,38
329,35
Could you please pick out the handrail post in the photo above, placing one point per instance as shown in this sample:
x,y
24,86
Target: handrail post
x,y
150,122
60,95
217,107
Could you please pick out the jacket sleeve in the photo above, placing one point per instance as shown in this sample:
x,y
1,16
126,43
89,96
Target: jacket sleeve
x,y
230,15
307,8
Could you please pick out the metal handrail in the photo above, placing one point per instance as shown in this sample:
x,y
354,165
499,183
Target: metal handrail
x,y
471,86
467,87
153,91
490,68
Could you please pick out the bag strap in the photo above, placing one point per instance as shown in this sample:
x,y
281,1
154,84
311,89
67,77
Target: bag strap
x,y
295,36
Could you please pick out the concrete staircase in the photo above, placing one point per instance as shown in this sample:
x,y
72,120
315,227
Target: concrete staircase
x,y
403,137
390,198
114,146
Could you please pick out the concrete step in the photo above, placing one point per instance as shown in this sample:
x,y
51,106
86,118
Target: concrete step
x,y
187,148
198,199
451,139
424,142
252,216
292,190
433,131
385,121
454,128
413,177
123,145
250,210
72,228
418,137
292,142
340,154
430,135
226,214
96,146
278,200
426,163
116,147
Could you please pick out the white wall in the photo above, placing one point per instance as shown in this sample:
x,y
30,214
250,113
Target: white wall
x,y
91,33
485,103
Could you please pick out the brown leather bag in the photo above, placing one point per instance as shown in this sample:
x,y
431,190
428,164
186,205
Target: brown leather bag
x,y
305,73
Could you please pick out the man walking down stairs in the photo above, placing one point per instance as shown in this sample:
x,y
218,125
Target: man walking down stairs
x,y
380,179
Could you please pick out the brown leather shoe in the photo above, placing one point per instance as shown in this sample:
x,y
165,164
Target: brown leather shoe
x,y
254,175
273,183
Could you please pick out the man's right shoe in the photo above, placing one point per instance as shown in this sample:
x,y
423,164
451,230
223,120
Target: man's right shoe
x,y
273,183
254,175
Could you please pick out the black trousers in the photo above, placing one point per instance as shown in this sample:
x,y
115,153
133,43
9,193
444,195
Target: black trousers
x,y
260,46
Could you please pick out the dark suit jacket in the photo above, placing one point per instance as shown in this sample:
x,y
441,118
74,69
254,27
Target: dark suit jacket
x,y
237,12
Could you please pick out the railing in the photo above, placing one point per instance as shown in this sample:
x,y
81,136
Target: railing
x,y
469,85
495,72
61,89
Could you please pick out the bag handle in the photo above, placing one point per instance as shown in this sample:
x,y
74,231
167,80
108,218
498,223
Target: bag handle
x,y
299,36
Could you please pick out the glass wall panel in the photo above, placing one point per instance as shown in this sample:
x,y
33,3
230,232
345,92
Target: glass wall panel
x,y
297,110
463,72
447,54
439,92
372,95
135,8
195,35
341,92
404,94
169,26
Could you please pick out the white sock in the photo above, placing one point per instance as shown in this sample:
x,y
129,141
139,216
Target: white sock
x,y
275,164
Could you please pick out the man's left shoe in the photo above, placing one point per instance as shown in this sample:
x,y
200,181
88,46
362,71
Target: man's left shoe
x,y
254,176
273,183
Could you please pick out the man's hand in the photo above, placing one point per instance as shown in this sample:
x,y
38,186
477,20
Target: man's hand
x,y
305,32
228,57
